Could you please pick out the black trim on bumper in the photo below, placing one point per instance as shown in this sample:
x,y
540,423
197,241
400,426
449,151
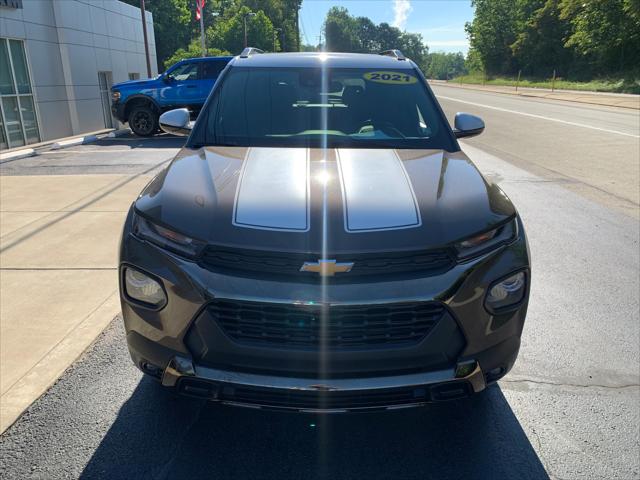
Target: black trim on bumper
x,y
319,395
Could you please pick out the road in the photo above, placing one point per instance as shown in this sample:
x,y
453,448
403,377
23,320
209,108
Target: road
x,y
593,150
569,409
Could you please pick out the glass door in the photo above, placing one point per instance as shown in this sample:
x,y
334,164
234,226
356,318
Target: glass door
x,y
18,119
104,80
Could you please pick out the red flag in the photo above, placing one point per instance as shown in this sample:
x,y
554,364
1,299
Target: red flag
x,y
199,7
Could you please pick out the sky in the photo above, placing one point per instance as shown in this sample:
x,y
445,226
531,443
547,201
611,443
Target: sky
x,y
441,22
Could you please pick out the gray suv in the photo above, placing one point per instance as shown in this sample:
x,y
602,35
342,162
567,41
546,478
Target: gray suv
x,y
321,243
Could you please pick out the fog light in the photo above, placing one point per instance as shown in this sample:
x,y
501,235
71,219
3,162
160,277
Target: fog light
x,y
143,288
509,291
464,369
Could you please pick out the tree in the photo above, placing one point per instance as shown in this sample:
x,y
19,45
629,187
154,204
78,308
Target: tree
x,y
171,25
175,25
341,31
445,66
367,33
539,47
388,36
606,32
193,51
281,13
345,33
228,34
492,32
577,38
413,47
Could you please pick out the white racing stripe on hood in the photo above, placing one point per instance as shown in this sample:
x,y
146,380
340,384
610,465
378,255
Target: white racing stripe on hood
x,y
377,192
273,190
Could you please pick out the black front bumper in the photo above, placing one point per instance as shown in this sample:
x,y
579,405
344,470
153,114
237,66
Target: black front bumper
x,y
186,348
314,395
118,111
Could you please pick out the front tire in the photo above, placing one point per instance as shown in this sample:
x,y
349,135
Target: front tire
x,y
143,121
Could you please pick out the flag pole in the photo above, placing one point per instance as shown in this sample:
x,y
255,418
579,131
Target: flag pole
x,y
202,39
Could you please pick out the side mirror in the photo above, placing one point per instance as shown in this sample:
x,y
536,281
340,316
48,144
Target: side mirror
x,y
467,125
167,78
176,122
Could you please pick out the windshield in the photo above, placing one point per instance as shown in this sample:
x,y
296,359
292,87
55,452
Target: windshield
x,y
364,108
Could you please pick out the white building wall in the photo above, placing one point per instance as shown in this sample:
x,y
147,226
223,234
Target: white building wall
x,y
67,43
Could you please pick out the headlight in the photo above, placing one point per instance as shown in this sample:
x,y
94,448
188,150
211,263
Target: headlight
x,y
488,240
143,288
166,238
507,292
115,96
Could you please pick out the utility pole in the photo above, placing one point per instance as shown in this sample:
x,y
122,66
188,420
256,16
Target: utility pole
x,y
204,48
244,19
146,40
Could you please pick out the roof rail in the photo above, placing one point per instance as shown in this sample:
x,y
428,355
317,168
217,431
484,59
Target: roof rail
x,y
248,51
394,53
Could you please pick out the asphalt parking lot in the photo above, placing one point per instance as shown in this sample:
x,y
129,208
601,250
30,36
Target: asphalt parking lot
x,y
569,409
103,420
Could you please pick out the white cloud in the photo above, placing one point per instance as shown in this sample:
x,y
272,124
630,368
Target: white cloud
x,y
401,10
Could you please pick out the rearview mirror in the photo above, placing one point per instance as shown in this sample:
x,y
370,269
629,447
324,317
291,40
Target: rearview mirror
x,y
176,122
467,125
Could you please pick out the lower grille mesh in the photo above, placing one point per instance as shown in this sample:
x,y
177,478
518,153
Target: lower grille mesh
x,y
327,400
336,326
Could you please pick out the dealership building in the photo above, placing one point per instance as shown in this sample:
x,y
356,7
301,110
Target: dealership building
x,y
58,59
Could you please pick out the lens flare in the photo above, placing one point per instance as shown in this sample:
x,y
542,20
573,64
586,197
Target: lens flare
x,y
323,178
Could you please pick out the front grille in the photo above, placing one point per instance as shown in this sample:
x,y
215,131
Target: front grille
x,y
326,400
278,398
300,326
252,262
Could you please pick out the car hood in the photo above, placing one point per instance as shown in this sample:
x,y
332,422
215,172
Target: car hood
x,y
314,200
133,83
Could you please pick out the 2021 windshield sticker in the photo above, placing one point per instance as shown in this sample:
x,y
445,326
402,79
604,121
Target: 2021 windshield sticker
x,y
393,78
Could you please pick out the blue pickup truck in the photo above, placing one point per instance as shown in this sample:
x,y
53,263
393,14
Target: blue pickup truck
x,y
185,84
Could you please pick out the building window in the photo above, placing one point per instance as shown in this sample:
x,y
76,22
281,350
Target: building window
x,y
18,119
134,76
104,80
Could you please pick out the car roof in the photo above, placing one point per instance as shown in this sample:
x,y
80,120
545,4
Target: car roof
x,y
317,59
204,59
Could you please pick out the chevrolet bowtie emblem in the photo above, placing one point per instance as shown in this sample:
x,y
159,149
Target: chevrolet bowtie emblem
x,y
326,268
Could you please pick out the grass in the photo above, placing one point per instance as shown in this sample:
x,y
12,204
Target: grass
x,y
603,85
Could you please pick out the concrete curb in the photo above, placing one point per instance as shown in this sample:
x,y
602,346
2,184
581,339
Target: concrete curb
x,y
119,133
73,142
17,154
619,100
47,371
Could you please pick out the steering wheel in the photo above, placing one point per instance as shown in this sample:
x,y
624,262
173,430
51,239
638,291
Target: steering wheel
x,y
385,127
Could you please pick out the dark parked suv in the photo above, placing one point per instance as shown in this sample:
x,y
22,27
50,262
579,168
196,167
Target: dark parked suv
x,y
186,84
321,243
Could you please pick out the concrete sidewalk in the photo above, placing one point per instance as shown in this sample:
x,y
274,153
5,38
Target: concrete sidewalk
x,y
597,98
58,274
